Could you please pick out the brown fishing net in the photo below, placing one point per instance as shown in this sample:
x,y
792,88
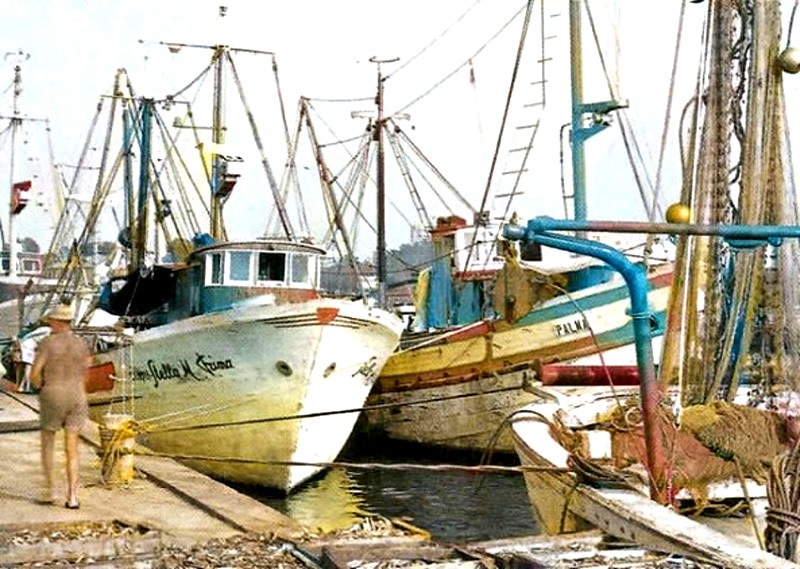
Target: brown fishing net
x,y
753,436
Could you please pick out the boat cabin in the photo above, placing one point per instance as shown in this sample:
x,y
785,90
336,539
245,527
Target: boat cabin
x,y
472,249
216,277
28,264
234,271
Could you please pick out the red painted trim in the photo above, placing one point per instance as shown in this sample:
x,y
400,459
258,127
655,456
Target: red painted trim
x,y
99,377
558,374
474,330
326,314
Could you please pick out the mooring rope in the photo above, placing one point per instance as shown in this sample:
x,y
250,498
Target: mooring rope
x,y
337,412
783,512
489,468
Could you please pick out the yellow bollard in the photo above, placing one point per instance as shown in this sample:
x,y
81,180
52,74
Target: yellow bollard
x,y
117,440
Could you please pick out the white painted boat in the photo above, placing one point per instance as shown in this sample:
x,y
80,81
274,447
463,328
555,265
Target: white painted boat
x,y
225,353
263,392
564,503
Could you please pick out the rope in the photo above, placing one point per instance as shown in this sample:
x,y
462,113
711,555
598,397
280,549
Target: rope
x,y
116,443
327,413
791,24
494,469
783,512
749,502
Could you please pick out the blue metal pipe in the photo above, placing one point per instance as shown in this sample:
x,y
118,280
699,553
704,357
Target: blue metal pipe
x,y
741,235
641,314
539,231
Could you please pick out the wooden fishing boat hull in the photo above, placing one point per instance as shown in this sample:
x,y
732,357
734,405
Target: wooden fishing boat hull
x,y
457,393
259,392
562,505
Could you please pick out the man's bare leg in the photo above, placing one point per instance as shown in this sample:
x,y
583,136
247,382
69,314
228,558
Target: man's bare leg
x,y
71,449
48,439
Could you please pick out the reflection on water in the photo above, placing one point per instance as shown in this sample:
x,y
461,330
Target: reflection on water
x,y
454,507
326,504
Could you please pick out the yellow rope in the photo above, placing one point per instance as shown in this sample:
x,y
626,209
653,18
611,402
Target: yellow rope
x,y
116,444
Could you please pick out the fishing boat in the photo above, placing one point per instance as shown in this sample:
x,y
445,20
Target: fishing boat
x,y
489,320
702,456
26,180
225,352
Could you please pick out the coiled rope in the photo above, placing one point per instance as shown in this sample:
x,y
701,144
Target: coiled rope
x,y
783,512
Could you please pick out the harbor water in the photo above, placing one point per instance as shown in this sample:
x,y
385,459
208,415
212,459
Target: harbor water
x,y
453,506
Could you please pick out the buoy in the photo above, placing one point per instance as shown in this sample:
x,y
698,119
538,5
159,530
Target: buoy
x,y
678,213
117,440
789,60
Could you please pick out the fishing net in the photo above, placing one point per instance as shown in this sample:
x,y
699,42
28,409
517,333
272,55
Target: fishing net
x,y
734,313
752,436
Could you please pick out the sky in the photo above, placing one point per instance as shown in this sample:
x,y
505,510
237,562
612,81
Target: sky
x,y
69,51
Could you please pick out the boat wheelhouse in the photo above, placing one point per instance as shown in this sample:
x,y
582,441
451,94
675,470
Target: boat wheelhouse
x,y
235,271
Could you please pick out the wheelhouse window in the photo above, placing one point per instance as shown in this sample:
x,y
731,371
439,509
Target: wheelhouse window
x,y
301,272
239,266
215,267
31,266
271,266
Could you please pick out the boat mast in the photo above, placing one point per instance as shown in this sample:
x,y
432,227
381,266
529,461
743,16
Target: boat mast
x,y
377,136
16,121
597,113
217,138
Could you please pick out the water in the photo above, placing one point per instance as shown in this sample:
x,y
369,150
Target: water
x,y
454,507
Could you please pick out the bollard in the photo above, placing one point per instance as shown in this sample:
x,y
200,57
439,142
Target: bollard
x,y
117,440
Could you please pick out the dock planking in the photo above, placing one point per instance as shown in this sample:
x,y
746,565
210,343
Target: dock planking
x,y
173,501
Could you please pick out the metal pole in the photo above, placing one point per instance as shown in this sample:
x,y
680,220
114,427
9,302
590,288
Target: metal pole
x,y
649,393
217,138
381,181
736,234
538,231
577,139
15,123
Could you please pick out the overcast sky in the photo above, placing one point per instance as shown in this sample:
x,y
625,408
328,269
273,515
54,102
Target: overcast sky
x,y
73,47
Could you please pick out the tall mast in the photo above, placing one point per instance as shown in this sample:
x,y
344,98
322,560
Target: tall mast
x,y
581,128
377,136
16,121
217,138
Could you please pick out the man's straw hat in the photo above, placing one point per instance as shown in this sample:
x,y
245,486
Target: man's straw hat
x,y
60,312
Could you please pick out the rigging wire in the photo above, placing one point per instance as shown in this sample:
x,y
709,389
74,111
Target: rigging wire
x,y
191,83
466,63
352,100
791,24
626,130
434,40
283,215
517,61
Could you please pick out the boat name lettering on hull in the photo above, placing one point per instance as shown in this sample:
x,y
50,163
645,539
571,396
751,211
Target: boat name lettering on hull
x,y
202,368
571,327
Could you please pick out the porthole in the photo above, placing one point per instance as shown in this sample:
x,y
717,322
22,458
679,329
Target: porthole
x,y
329,370
283,368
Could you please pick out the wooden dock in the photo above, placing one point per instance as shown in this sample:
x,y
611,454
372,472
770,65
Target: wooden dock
x,y
166,504
169,512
